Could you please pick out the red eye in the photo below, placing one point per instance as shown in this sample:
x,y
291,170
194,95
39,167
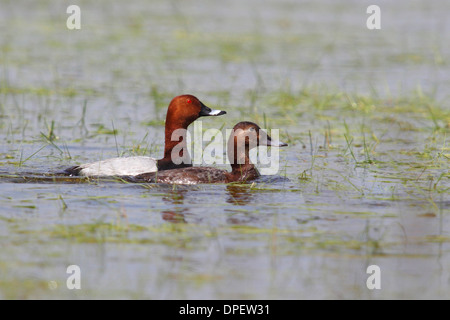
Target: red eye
x,y
188,100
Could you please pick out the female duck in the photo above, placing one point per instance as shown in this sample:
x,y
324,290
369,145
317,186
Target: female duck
x,y
182,111
245,136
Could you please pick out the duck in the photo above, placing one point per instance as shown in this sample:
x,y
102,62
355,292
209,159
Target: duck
x,y
182,111
245,136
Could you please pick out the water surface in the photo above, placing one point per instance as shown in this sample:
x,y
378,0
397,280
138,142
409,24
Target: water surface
x,y
365,179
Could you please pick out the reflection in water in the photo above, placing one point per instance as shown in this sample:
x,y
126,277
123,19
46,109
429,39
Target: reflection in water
x,y
239,194
175,197
174,216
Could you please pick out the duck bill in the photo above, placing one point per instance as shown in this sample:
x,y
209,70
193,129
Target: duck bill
x,y
275,143
207,112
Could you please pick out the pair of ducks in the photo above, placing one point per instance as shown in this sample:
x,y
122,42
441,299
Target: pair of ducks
x,y
182,111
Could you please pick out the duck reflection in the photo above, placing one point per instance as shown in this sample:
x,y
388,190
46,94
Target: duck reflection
x,y
174,216
175,197
239,194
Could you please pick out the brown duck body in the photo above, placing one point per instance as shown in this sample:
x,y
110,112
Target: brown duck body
x,y
244,133
196,175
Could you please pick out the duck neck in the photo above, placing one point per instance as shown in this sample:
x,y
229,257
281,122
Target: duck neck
x,y
175,141
241,168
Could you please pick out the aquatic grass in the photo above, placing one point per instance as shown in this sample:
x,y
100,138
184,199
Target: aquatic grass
x,y
367,150
103,130
154,123
25,206
427,197
327,139
359,190
114,132
50,140
82,122
22,161
443,188
95,232
142,147
313,154
349,146
64,205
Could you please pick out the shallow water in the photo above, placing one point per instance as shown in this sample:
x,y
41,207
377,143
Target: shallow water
x,y
364,180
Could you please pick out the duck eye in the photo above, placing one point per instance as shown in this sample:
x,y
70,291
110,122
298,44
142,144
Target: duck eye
x,y
188,100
